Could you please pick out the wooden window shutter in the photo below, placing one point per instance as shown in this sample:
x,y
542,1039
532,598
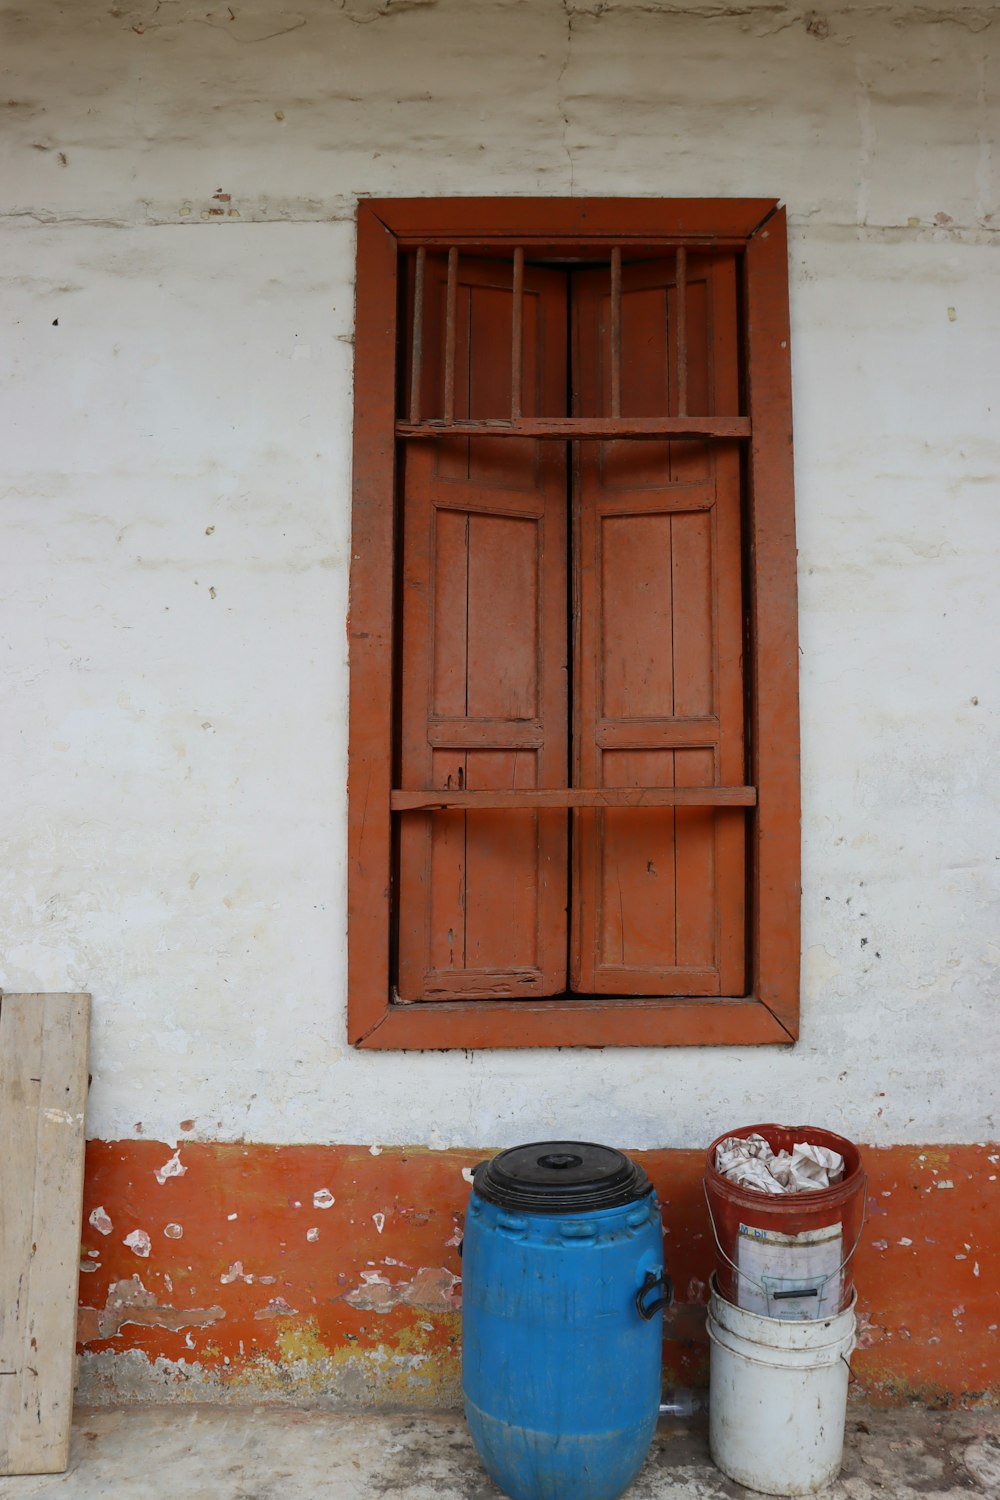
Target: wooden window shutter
x,y
657,683
483,683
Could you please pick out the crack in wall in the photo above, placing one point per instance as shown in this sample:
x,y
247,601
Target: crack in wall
x,y
774,18
866,141
924,231
562,103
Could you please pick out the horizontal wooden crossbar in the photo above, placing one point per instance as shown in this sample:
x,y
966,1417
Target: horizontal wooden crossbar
x,y
568,429
531,800
595,248
528,734
569,225
485,734
656,734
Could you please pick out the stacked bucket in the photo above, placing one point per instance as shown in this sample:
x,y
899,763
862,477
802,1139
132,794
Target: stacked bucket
x,y
781,1318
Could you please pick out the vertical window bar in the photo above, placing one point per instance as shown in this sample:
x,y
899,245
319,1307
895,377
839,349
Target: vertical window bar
x,y
616,332
517,336
451,335
417,349
680,332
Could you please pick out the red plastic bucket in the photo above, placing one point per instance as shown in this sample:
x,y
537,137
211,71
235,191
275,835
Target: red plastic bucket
x,y
787,1256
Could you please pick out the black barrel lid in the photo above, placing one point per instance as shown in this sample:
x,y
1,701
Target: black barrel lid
x,y
561,1177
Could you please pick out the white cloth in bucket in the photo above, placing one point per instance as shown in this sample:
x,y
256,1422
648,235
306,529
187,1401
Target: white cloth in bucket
x,y
750,1162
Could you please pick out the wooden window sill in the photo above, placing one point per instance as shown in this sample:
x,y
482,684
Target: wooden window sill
x,y
596,1022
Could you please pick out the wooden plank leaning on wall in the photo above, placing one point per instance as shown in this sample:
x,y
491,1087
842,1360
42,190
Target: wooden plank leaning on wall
x,y
43,1091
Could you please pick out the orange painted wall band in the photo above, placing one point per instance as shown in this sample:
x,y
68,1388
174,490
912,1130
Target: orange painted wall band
x,y
257,1271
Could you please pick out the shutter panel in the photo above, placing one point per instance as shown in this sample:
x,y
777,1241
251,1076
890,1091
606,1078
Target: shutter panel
x,y
657,688
482,895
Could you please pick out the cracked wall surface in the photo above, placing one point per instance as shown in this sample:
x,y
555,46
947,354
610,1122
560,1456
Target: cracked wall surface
x,y
178,192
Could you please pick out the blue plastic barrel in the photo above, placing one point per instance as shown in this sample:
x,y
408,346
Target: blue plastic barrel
x,y
562,1320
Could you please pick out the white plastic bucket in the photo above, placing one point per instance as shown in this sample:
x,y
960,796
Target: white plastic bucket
x,y
778,1397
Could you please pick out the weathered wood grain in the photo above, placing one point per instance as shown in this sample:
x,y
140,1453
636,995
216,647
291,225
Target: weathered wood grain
x,y
43,1086
578,796
567,429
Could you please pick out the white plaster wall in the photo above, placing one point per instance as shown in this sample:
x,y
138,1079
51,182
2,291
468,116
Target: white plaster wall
x,y
176,530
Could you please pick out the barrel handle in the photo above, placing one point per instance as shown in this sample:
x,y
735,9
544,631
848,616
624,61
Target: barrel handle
x,y
760,1285
648,1311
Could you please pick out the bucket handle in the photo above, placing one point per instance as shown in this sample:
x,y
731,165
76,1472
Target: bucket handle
x,y
852,1378
760,1285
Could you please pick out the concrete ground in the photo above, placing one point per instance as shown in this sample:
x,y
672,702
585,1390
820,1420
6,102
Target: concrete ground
x,y
281,1453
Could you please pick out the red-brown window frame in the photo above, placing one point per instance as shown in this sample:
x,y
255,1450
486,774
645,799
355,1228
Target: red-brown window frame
x,y
769,1014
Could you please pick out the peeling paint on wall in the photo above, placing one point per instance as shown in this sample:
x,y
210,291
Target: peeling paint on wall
x,y
171,1168
276,1308
246,1305
430,1288
100,1220
130,1302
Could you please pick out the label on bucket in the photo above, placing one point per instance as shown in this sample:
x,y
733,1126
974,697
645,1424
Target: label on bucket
x,y
790,1275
